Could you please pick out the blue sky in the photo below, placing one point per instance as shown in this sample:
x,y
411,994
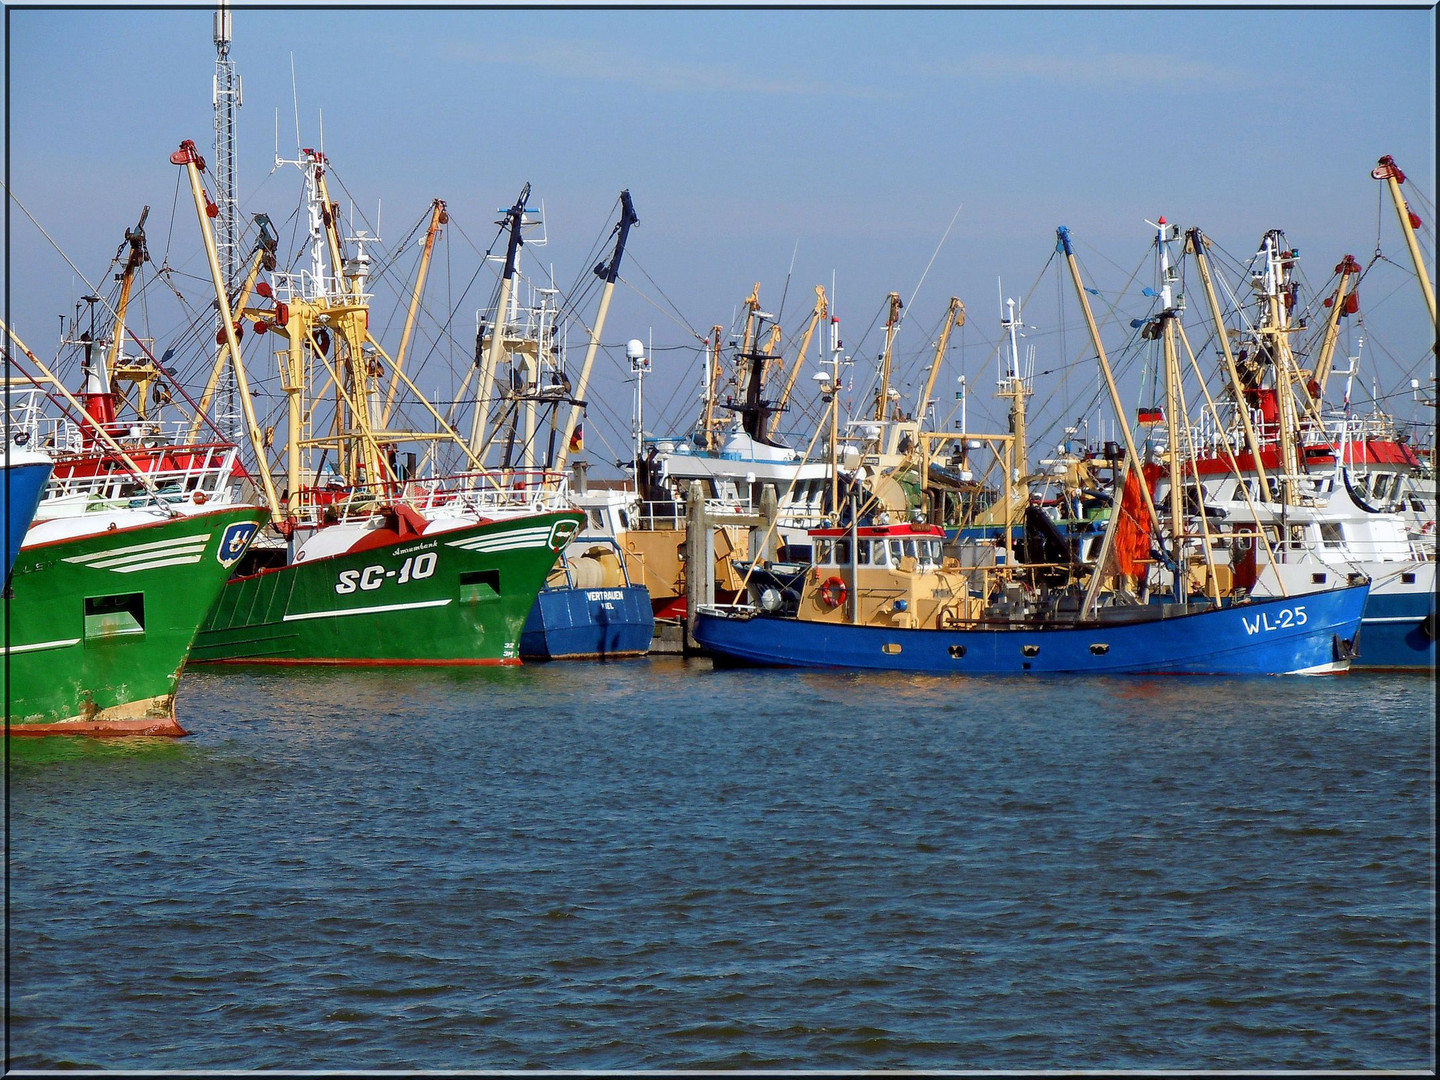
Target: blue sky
x,y
845,139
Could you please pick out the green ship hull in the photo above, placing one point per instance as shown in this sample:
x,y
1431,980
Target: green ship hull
x,y
101,624
459,596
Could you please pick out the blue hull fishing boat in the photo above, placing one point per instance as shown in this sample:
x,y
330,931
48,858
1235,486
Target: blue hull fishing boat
x,y
1310,635
589,609
884,597
26,473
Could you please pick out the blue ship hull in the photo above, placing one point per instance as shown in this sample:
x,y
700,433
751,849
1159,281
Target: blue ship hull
x,y
585,624
24,485
1398,633
1293,635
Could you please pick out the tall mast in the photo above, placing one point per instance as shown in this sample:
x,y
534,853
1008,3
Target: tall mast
x,y
1013,385
1388,171
226,98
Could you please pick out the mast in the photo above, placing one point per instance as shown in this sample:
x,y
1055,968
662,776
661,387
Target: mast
x,y
1196,243
892,323
1347,269
515,217
1132,458
1275,338
1015,386
1388,171
193,163
1171,305
954,317
608,273
226,98
438,217
816,315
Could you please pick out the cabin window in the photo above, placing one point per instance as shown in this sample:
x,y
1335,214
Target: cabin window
x,y
1417,505
897,551
877,552
842,552
862,553
597,519
624,517
1407,578
1331,534
822,552
112,616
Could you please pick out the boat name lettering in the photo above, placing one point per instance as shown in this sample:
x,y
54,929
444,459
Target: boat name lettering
x,y
416,547
1285,619
605,594
414,568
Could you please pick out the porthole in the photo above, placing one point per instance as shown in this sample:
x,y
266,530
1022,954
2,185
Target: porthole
x,y
957,651
1099,649
1030,650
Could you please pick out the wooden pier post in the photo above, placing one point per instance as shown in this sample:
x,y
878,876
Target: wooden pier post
x,y
699,561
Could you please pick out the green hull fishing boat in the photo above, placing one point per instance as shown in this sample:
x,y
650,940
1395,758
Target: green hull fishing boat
x,y
407,591
103,614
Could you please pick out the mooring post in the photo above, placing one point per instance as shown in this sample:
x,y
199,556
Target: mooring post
x,y
769,510
699,560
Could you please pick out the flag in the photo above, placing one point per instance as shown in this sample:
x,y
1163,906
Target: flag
x,y
577,439
1150,416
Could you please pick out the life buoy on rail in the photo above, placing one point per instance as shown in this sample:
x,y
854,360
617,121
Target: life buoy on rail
x,y
833,592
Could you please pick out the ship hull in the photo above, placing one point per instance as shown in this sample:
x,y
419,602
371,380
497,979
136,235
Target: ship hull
x,y
571,623
1398,630
101,624
1312,634
24,485
454,597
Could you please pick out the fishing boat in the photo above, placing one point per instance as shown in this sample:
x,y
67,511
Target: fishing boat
x,y
588,609
883,596
527,417
25,474
1314,492
133,538
368,559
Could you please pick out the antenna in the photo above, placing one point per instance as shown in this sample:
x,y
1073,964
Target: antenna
x,y
295,97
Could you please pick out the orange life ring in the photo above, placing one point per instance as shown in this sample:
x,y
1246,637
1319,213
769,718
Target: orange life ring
x,y
833,592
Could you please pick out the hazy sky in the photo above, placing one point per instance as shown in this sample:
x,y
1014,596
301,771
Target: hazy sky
x,y
845,139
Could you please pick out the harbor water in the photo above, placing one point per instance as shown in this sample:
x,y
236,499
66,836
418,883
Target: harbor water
x,y
652,864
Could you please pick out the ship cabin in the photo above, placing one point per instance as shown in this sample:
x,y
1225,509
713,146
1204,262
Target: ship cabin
x,y
885,575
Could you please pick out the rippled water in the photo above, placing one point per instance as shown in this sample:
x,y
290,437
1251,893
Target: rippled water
x,y
652,864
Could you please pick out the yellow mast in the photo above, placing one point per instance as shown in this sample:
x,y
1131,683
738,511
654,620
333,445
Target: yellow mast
x,y
954,317
1388,171
141,375
892,323
438,217
1347,269
712,386
818,313
1196,244
1132,456
609,273
193,163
